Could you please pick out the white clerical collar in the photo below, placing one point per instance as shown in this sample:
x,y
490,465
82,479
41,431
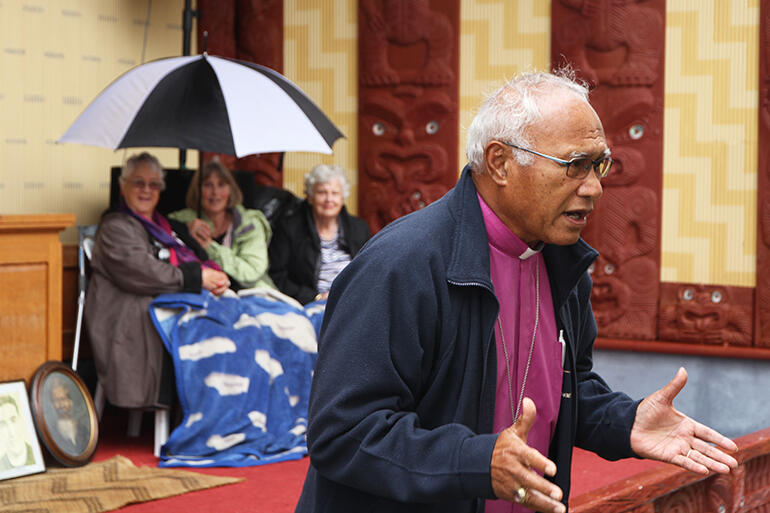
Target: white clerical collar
x,y
531,252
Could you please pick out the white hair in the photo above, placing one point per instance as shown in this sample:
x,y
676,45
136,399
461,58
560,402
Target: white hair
x,y
507,113
323,173
135,161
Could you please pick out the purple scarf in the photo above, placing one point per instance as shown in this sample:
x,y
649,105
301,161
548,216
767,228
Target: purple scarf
x,y
160,229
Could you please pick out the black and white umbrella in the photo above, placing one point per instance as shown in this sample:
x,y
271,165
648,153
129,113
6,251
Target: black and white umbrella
x,y
206,103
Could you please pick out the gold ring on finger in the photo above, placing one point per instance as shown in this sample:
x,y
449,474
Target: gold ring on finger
x,y
521,495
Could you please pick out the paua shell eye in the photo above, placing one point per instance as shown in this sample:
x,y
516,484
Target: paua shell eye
x,y
431,127
716,297
378,129
688,294
636,131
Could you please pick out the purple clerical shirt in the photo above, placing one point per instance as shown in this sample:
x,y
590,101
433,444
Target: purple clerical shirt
x,y
513,267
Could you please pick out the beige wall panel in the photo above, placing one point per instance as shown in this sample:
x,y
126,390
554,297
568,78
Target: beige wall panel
x,y
498,38
56,57
320,56
710,142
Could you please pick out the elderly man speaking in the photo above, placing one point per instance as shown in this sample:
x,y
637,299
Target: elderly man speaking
x,y
454,368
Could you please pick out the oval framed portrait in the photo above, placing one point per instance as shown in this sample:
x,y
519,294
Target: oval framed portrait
x,y
64,413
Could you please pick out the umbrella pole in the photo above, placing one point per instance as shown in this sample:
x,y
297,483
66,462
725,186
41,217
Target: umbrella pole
x,y
187,18
200,191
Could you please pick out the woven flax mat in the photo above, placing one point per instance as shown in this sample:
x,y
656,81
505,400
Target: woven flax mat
x,y
103,486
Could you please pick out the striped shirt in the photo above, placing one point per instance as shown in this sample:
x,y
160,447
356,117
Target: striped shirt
x,y
333,260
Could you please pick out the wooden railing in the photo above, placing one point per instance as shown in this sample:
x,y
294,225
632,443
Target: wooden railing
x,y
669,489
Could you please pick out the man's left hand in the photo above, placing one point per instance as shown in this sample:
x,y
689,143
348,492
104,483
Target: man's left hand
x,y
662,433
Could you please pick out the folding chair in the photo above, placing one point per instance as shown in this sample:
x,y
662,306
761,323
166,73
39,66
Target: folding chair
x,y
86,236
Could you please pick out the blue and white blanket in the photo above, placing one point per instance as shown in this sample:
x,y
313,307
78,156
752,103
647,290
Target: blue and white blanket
x,y
243,367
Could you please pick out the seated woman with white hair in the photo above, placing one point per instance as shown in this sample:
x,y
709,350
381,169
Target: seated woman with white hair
x,y
311,246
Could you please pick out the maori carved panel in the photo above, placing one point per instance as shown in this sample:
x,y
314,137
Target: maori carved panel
x,y
408,105
706,314
763,183
758,474
645,508
617,47
249,30
686,500
674,490
726,492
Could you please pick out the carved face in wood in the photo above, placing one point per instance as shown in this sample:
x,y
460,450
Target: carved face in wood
x,y
613,42
405,163
704,313
626,224
702,307
624,297
631,118
610,297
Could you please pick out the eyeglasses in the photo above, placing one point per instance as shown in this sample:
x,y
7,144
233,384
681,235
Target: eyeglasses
x,y
578,167
141,184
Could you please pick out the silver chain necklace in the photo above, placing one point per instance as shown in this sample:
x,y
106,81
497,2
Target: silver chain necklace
x,y
531,349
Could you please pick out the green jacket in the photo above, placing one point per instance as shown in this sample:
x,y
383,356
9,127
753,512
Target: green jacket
x,y
246,260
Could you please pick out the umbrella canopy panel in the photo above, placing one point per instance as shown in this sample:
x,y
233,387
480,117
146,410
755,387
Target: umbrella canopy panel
x,y
186,109
206,103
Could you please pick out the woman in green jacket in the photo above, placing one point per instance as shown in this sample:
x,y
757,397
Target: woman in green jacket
x,y
234,237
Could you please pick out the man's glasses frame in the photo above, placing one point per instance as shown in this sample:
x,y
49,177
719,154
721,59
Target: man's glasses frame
x,y
600,166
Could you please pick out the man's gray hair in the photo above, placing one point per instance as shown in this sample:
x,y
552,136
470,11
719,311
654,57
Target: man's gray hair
x,y
135,161
507,113
324,173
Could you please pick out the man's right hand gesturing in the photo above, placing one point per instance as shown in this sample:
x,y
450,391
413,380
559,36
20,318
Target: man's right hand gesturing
x,y
515,466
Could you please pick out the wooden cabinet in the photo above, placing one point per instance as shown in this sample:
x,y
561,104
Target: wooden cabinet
x,y
30,292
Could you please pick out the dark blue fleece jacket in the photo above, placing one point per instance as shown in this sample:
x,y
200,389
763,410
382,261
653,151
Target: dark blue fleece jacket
x,y
402,401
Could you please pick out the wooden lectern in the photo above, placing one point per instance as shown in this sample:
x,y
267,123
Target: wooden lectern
x,y
30,292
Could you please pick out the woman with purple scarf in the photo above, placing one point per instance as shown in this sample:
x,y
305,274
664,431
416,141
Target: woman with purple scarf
x,y
138,254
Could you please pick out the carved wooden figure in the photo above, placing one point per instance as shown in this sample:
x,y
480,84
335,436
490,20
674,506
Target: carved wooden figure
x,y
686,500
706,314
627,28
408,105
249,30
617,47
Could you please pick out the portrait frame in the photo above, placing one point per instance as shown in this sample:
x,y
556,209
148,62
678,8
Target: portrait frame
x,y
64,413
29,459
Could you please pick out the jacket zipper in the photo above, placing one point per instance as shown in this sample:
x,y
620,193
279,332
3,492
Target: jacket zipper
x,y
489,337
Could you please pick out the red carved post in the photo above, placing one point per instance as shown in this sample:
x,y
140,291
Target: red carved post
x,y
763,183
249,30
617,47
407,105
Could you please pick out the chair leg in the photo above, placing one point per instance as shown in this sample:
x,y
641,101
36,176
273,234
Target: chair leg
x,y
99,400
134,423
161,430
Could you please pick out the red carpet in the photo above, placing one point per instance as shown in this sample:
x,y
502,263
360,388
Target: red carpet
x,y
275,488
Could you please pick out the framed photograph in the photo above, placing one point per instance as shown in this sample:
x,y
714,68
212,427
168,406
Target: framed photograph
x,y
19,449
64,413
